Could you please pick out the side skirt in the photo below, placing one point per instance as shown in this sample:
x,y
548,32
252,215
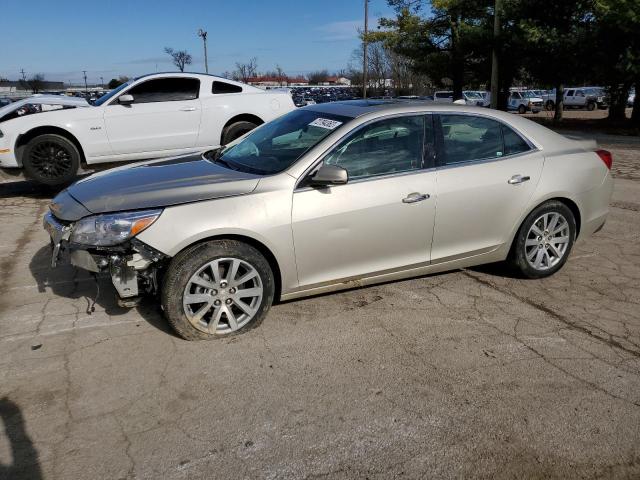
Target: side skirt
x,y
489,255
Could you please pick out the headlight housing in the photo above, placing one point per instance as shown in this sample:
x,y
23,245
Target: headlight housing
x,y
112,228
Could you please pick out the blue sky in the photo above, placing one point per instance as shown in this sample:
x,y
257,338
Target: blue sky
x,y
60,39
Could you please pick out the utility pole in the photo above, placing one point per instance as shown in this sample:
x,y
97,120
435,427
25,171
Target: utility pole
x,y
86,89
203,34
364,48
101,82
24,75
494,55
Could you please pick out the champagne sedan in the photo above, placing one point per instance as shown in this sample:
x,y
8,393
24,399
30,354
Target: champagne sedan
x,y
329,197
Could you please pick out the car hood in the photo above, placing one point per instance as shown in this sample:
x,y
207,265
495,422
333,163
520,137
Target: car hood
x,y
45,100
157,184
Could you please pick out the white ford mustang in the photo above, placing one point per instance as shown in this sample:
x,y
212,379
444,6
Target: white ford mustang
x,y
152,116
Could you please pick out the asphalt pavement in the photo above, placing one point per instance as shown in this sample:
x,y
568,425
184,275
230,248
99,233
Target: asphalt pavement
x,y
466,374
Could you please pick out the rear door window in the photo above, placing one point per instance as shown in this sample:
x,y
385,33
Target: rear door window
x,y
513,143
466,138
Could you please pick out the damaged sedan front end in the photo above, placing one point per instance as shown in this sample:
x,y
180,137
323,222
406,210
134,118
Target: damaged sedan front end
x,y
107,244
95,222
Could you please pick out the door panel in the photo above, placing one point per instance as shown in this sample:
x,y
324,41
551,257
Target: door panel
x,y
362,227
165,115
148,127
477,207
486,175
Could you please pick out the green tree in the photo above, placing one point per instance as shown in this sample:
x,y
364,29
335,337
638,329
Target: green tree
x,y
616,52
445,39
555,40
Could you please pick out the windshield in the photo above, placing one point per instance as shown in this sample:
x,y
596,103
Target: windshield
x,y
473,95
277,145
113,92
529,94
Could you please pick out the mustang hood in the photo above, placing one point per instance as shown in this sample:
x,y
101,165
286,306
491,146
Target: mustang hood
x,y
159,184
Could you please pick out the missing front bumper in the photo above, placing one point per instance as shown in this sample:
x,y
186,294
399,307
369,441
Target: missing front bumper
x,y
133,266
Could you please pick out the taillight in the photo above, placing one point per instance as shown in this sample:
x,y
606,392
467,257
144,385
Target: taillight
x,y
606,157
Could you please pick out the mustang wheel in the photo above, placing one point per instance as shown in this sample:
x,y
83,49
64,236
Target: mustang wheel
x,y
544,240
51,159
216,289
235,130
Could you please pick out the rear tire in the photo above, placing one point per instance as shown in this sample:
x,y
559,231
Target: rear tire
x,y
203,304
235,130
544,241
51,159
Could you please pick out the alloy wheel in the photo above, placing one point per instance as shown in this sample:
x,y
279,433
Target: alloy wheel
x,y
223,296
51,160
547,241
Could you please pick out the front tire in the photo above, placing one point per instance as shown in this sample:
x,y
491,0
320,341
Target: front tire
x,y
544,240
236,130
217,289
51,159
550,105
591,106
522,109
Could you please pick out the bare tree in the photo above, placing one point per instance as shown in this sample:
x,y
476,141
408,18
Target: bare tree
x,y
244,71
180,58
36,82
280,75
317,77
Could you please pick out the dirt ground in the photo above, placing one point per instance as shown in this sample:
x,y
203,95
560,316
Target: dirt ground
x,y
470,373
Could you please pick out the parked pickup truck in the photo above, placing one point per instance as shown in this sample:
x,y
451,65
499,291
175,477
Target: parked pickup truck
x,y
153,116
524,101
589,98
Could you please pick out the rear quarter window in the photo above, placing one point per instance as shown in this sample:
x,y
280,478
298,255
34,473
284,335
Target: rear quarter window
x,y
224,87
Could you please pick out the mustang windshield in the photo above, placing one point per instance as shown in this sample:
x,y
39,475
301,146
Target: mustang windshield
x,y
113,92
276,145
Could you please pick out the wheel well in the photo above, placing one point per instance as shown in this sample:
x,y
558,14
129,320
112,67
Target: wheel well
x,y
263,249
574,209
245,117
571,205
26,138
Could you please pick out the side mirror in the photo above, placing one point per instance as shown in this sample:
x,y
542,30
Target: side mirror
x,y
328,175
125,99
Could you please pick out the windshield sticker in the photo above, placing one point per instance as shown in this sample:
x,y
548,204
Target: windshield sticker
x,y
325,123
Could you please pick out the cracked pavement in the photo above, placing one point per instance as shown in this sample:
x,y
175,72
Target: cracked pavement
x,y
464,374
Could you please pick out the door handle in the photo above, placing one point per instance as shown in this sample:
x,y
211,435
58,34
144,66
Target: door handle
x,y
188,109
516,179
415,197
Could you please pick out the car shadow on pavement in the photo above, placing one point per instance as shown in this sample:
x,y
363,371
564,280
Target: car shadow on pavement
x,y
27,188
499,269
25,459
66,281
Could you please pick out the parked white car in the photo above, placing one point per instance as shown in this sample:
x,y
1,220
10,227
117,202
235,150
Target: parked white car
x,y
469,97
148,117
